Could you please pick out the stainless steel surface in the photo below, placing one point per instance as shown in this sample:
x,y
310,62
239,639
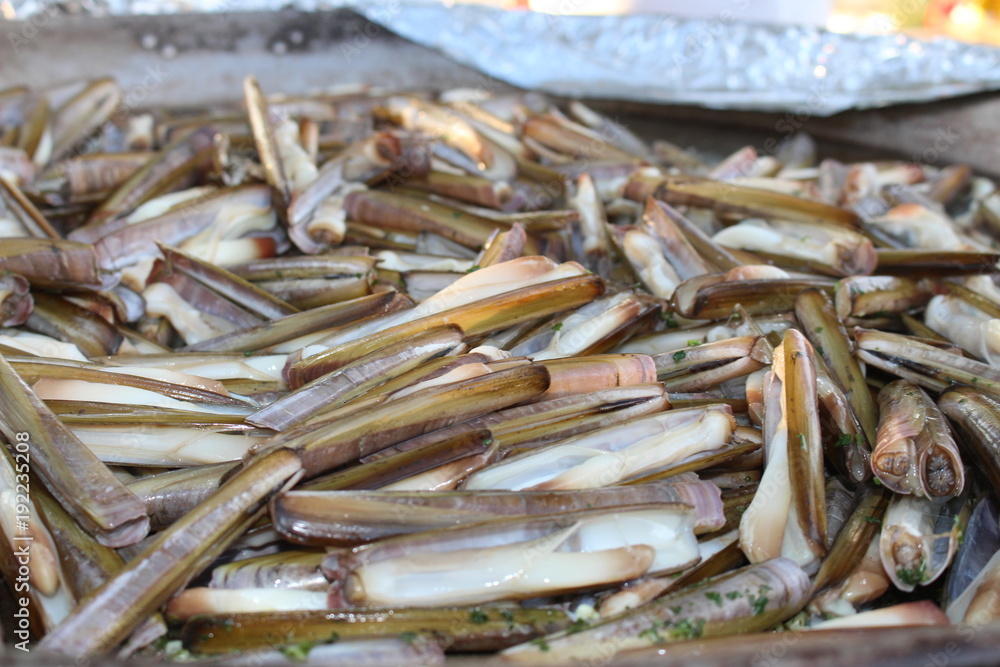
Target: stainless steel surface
x,y
194,59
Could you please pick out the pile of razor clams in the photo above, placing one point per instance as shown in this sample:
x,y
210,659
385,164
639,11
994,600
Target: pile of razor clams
x,y
370,378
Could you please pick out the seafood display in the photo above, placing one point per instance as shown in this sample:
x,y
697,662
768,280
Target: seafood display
x,y
375,377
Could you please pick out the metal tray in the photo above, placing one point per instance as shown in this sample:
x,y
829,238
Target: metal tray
x,y
201,59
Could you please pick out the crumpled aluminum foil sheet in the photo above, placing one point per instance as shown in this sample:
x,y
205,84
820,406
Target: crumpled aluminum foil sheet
x,y
713,63
720,63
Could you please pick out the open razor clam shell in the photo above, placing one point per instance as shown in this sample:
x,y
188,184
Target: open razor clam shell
x,y
918,540
517,558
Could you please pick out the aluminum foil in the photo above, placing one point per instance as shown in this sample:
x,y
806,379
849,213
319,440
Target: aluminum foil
x,y
721,63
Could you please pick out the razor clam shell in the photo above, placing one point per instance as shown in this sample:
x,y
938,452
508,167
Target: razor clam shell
x,y
349,517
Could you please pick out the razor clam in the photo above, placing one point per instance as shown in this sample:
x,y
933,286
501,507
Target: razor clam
x,y
16,302
298,570
350,517
718,555
339,386
377,472
475,319
915,452
326,445
980,542
726,198
236,289
910,262
916,226
645,256
22,522
87,564
745,600
171,446
448,476
197,601
403,651
857,535
133,243
864,296
580,330
55,264
825,330
170,495
21,209
930,367
698,367
979,604
277,331
81,114
503,246
545,421
965,325
918,540
824,249
844,442
828,648
42,612
480,628
865,582
108,614
977,417
516,558
787,516
68,469
713,296
607,456
907,614
154,178
479,285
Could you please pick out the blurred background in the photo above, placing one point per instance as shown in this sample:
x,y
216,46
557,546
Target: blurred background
x,y
976,21
973,21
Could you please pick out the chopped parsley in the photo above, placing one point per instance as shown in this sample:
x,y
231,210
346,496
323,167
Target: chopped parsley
x,y
911,576
679,356
478,617
686,629
652,634
298,652
540,642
